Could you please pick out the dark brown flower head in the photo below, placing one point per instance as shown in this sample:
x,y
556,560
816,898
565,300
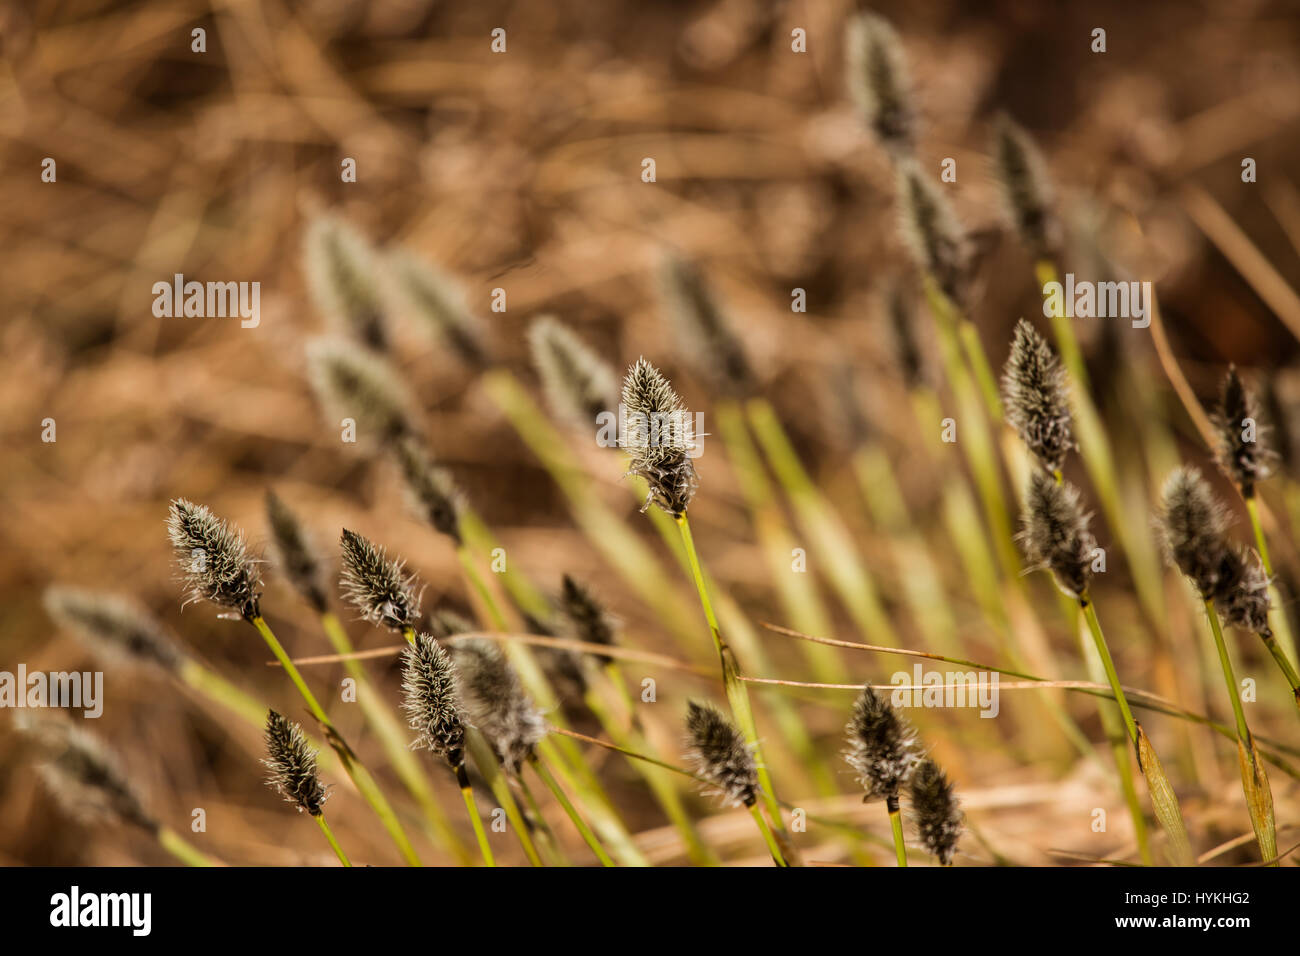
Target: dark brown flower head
x,y
578,383
879,84
1243,451
1037,398
377,587
931,231
114,625
1242,597
294,552
351,383
1056,535
341,276
591,622
213,559
1193,528
497,703
83,775
292,764
704,335
882,746
440,302
431,701
935,812
720,755
431,489
659,437
1026,188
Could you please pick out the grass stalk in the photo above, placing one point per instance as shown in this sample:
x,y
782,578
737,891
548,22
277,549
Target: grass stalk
x,y
1268,637
183,850
557,791
480,834
896,825
334,844
768,837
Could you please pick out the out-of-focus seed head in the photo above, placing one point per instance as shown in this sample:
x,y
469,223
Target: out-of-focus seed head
x,y
659,438
1193,528
1026,187
1243,451
351,383
909,354
292,764
1056,535
377,587
879,84
578,383
703,332
935,812
1242,594
591,622
440,302
431,489
115,626
83,775
294,552
341,276
882,746
720,755
931,231
213,559
431,701
446,624
496,702
1037,397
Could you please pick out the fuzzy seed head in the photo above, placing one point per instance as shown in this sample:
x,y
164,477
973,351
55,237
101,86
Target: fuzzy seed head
x,y
292,764
440,302
1242,452
720,755
879,84
294,552
578,383
659,438
1037,398
432,490
935,811
448,624
82,774
115,626
704,334
213,560
591,622
377,587
1242,597
1193,529
931,231
1056,535
908,352
352,383
431,701
340,266
882,746
496,702
1026,188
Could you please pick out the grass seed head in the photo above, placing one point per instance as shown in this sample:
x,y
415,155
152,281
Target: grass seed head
x,y
879,83
213,559
1026,188
882,746
294,552
377,587
114,625
1037,397
1193,529
440,302
292,764
432,489
935,811
705,336
446,623
496,702
578,383
431,701
1243,452
591,622
341,271
352,383
720,755
1055,535
931,231
659,438
1242,596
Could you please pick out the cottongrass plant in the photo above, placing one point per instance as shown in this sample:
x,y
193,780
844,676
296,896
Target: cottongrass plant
x,y
340,265
879,82
440,304
883,752
934,810
87,781
578,384
291,763
350,383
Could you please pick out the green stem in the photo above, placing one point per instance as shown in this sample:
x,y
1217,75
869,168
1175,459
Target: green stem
x,y
467,792
768,837
588,837
1225,662
1103,650
329,835
481,753
896,824
177,846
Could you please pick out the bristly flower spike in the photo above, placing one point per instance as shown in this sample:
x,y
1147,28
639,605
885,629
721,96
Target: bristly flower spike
x,y
341,271
114,625
935,812
294,552
1056,535
590,620
1193,527
579,384
931,231
882,747
431,701
351,383
1037,398
659,438
213,559
439,300
720,755
705,336
292,764
377,587
431,489
879,84
1243,452
1026,188
496,702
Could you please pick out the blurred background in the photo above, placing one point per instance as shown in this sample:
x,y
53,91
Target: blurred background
x,y
522,171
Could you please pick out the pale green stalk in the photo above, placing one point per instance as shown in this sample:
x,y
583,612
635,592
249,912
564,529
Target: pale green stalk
x,y
1271,641
558,792
896,825
334,844
177,846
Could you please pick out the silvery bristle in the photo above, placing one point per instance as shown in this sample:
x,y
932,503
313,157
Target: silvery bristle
x,y
294,552
1242,452
1026,187
578,383
1193,527
935,812
213,559
1242,597
659,438
931,231
440,302
878,82
292,763
705,337
1056,535
351,383
882,746
496,702
82,774
430,699
431,489
591,622
114,625
377,587
341,276
1037,397
720,755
